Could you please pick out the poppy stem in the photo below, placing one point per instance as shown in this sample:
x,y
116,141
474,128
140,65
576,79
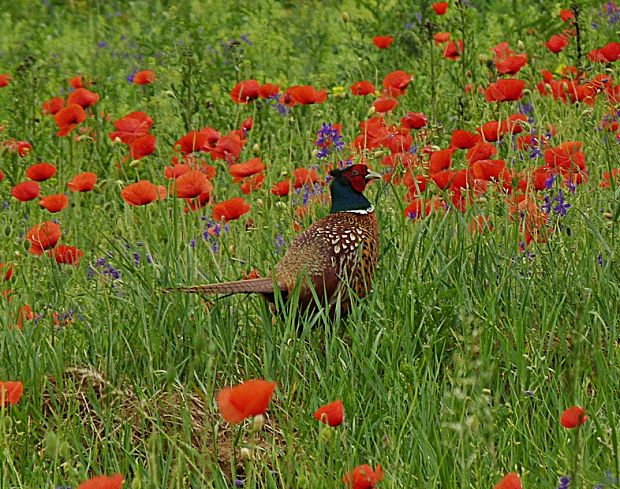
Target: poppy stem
x,y
429,27
577,10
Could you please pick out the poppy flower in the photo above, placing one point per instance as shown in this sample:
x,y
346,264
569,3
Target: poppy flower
x,y
511,65
83,182
281,188
228,148
66,255
26,191
252,183
54,203
83,97
331,414
68,119
231,209
607,54
440,8
103,482
131,127
509,481
175,171
144,77
491,131
363,87
440,160
40,171
247,124
52,105
194,141
363,477
452,50
464,139
43,237
140,193
382,42
268,90
10,392
566,15
5,80
385,104
304,176
306,95
480,151
441,37
488,169
250,398
505,90
245,91
397,79
142,146
247,168
191,184
573,417
76,82
556,43
414,120
9,271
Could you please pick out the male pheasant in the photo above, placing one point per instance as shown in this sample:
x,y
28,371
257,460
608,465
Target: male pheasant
x,y
333,257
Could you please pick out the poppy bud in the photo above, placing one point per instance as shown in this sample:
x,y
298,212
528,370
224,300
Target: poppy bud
x,y
256,149
520,45
7,230
257,423
245,453
134,163
345,17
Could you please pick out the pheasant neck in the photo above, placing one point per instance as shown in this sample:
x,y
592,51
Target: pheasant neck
x,y
344,199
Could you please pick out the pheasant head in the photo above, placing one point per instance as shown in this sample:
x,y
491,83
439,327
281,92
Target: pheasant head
x,y
347,188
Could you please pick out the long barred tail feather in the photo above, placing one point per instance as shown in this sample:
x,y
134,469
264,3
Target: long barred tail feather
x,y
257,285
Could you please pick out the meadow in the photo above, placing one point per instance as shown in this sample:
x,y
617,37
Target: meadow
x,y
487,354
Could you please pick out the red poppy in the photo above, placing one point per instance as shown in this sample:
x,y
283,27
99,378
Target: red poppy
x,y
414,120
505,90
281,188
397,79
142,146
68,119
245,91
83,97
175,171
228,147
509,481
247,168
5,80
304,176
268,90
363,87
191,184
103,482
76,82
250,398
452,50
26,191
131,127
43,237
83,182
491,131
1,175
363,477
382,42
556,43
566,15
331,414
440,160
204,140
66,255
480,151
54,203
247,124
41,171
385,104
463,139
9,271
10,392
53,105
511,64
488,170
573,417
144,77
253,183
440,8
140,193
231,209
306,95
441,37
607,54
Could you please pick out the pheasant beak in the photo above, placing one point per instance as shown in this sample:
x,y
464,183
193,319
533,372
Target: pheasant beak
x,y
371,175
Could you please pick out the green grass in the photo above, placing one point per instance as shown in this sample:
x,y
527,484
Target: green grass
x,y
453,371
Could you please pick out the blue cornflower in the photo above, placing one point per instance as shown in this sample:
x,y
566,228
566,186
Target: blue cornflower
x,y
274,101
564,482
246,39
546,207
102,44
526,108
280,243
328,137
561,208
549,182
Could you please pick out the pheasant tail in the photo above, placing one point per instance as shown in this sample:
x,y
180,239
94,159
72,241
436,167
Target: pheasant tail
x,y
257,285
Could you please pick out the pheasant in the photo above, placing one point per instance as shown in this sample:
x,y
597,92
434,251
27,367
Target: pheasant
x,y
334,256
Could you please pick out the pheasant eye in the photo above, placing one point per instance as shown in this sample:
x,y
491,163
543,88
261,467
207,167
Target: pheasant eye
x,y
355,173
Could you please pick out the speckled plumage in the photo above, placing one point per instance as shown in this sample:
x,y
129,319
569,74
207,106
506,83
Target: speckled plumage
x,y
334,258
